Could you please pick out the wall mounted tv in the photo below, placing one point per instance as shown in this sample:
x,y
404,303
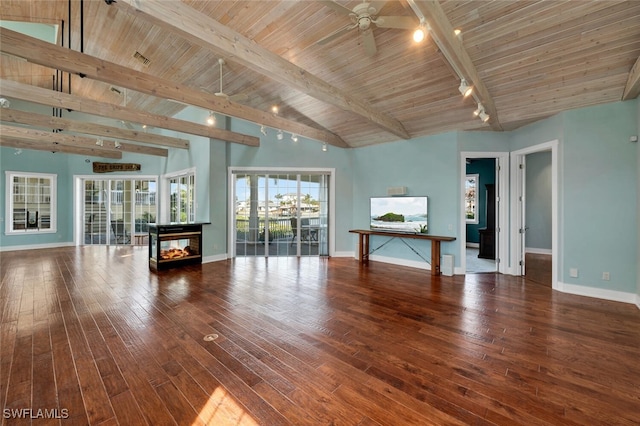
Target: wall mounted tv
x,y
399,214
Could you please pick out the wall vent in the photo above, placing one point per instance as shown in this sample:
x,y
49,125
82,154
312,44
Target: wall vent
x,y
397,190
139,56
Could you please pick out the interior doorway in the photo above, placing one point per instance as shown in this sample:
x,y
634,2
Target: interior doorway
x,y
534,227
484,215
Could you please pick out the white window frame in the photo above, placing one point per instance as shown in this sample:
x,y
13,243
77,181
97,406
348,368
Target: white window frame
x,y
9,203
165,213
475,220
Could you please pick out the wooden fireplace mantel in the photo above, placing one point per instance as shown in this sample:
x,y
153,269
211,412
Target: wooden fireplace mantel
x,y
363,246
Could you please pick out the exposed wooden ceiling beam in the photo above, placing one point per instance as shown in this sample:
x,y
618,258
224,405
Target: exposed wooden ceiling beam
x,y
53,139
42,53
442,33
8,115
52,98
212,35
46,146
632,88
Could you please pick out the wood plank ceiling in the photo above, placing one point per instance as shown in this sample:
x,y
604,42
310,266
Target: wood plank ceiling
x,y
145,60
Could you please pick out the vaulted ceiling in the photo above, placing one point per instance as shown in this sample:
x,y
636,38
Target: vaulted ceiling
x,y
143,61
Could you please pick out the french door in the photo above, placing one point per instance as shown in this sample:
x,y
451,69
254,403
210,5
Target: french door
x,y
117,211
280,213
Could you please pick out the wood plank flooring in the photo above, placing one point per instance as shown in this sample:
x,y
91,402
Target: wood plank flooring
x,y
90,336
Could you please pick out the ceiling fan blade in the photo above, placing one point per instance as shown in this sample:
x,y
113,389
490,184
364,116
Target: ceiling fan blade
x,y
402,22
335,35
337,7
369,42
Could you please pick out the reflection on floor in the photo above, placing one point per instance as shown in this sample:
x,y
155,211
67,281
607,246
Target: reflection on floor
x,y
476,265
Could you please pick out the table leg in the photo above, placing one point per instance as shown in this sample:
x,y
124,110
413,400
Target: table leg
x,y
435,257
365,249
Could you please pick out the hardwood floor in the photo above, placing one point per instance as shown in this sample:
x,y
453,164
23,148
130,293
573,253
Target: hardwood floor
x,y
93,337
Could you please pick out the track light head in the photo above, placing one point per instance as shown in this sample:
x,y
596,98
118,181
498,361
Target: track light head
x,y
211,119
484,116
294,137
280,135
324,147
478,110
464,88
263,130
4,103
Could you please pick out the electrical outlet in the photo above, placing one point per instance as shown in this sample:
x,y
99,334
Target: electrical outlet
x,y
573,272
606,276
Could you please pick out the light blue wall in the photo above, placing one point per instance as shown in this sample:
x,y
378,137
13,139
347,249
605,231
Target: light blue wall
x,y
538,205
65,166
599,197
426,166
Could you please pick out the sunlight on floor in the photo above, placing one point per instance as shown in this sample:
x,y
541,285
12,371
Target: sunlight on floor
x,y
221,410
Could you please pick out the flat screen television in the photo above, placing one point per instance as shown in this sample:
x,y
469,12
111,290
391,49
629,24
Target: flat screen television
x,y
399,214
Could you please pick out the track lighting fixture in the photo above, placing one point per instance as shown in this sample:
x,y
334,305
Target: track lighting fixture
x,y
211,120
478,110
18,151
100,142
294,137
263,130
324,147
464,88
421,32
280,135
117,145
484,116
4,103
275,110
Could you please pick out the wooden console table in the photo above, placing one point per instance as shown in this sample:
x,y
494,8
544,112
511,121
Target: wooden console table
x,y
364,234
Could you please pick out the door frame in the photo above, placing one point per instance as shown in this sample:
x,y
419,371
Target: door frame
x,y
231,203
502,194
517,192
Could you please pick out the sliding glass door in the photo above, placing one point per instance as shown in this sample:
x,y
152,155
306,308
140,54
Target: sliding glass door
x,y
118,211
281,213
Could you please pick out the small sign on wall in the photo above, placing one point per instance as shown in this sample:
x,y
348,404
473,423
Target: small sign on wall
x,y
115,167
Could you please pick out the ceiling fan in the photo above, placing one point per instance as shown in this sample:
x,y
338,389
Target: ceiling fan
x,y
232,98
362,16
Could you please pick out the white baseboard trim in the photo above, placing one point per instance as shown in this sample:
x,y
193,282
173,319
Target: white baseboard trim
x,y
599,293
533,250
215,258
36,246
344,254
401,262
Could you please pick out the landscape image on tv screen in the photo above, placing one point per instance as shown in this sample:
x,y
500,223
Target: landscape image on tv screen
x,y
400,214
